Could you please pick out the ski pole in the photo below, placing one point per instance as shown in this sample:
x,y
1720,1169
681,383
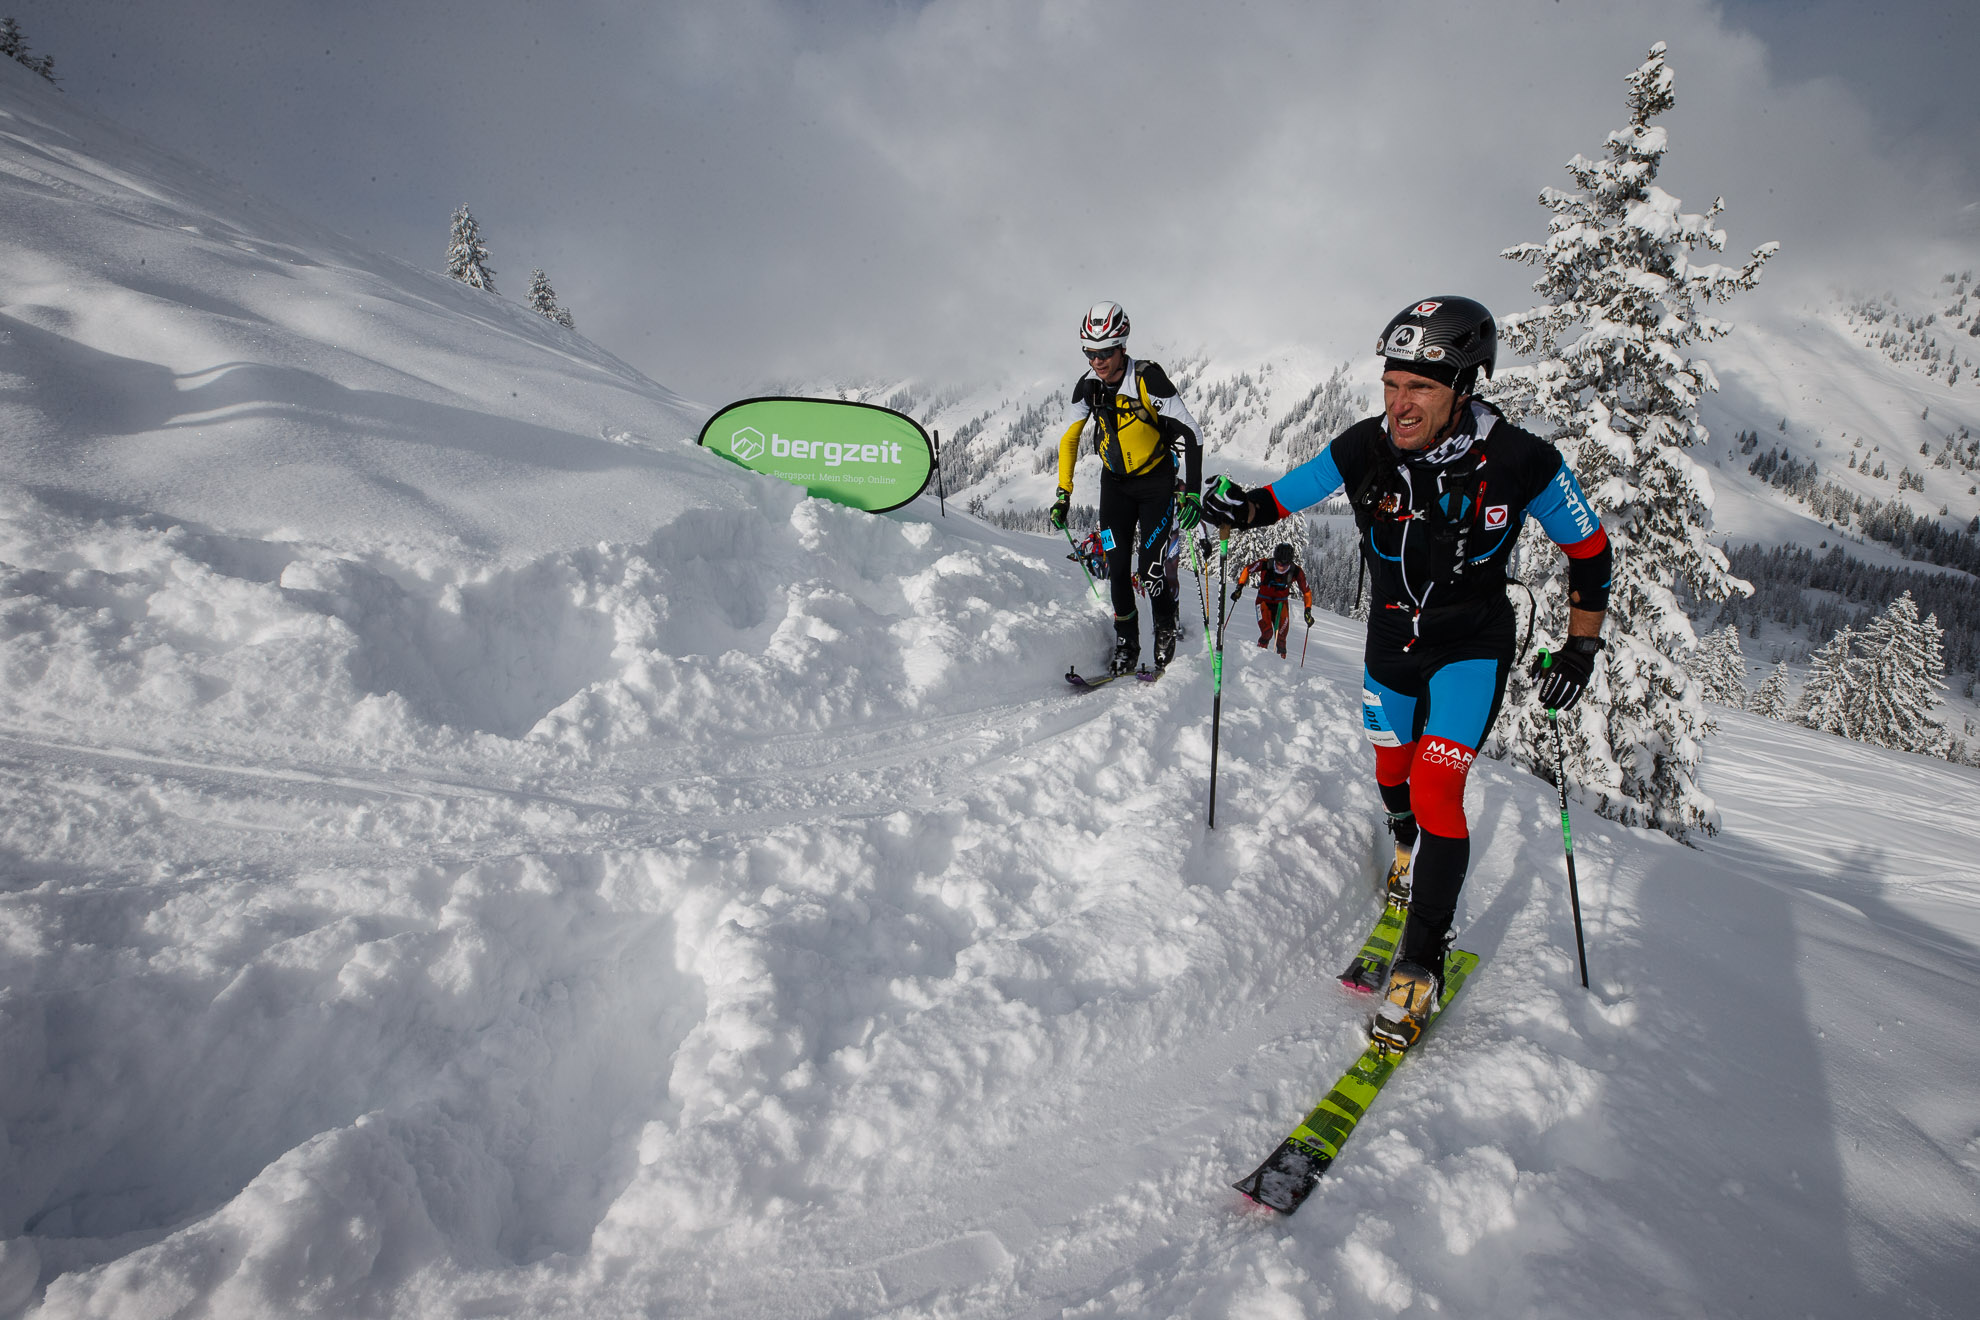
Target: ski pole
x,y
1203,589
1303,644
1567,841
1091,585
941,488
1217,663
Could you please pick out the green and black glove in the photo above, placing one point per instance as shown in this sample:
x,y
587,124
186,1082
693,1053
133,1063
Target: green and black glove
x,y
1227,504
1062,510
1564,673
1189,510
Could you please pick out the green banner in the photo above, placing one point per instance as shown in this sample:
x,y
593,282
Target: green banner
x,y
857,454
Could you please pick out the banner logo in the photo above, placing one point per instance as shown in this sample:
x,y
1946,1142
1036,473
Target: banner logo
x,y
855,454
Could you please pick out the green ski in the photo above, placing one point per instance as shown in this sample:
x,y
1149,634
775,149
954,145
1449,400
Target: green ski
x,y
1289,1174
1371,965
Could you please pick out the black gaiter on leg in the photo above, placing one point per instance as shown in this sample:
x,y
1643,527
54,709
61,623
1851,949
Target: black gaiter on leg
x,y
1436,878
1402,821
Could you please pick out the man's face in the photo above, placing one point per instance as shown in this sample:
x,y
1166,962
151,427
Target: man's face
x,y
1419,408
1109,364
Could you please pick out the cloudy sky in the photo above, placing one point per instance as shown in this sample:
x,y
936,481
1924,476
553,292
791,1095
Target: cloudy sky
x,y
725,193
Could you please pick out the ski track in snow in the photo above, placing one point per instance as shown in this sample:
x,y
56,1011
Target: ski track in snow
x,y
469,854
1015,1131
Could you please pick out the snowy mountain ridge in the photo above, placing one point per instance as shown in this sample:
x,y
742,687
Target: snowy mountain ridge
x,y
1806,381
460,864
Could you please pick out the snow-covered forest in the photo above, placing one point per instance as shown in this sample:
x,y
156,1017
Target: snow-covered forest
x,y
471,852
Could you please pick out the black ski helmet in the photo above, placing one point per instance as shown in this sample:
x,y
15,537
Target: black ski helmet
x,y
1447,338
1282,555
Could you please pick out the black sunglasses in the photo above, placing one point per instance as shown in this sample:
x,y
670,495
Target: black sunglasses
x,y
1102,354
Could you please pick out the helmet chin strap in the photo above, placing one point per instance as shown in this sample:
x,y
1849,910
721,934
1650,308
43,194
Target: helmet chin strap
x,y
1459,405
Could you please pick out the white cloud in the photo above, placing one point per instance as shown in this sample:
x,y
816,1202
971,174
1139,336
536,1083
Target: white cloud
x,y
727,193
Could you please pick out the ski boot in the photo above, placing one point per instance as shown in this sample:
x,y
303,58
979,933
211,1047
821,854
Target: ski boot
x,y
1127,644
1127,655
1397,884
1165,647
1407,1003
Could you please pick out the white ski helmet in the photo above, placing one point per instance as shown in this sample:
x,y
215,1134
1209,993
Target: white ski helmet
x,y
1105,326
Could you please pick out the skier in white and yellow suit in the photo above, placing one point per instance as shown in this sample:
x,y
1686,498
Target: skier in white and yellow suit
x,y
1136,422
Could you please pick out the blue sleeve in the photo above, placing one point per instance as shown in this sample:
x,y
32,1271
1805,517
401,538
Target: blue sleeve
x,y
1563,511
1309,483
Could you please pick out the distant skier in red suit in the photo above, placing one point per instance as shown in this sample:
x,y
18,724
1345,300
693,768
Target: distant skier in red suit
x,y
1276,578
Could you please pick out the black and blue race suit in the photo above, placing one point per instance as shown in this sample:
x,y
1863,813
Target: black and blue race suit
x,y
1436,531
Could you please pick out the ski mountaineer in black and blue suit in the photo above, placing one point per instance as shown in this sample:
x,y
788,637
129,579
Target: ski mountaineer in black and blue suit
x,y
1440,484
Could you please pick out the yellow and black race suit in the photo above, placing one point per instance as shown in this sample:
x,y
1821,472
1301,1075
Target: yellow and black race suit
x,y
1136,428
1136,431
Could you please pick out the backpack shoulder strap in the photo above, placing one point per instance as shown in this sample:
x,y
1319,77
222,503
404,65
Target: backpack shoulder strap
x,y
1150,379
1156,381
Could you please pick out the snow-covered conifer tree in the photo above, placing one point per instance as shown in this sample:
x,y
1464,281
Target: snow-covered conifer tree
x,y
542,298
13,43
1771,697
1828,698
1720,667
543,301
1903,671
1622,300
467,255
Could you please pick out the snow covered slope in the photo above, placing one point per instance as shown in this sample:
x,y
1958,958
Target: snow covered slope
x,y
1817,385
159,325
517,872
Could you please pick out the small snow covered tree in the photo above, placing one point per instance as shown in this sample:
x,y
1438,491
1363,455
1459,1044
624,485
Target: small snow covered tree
x,y
13,43
1720,667
1770,699
1622,300
1828,698
467,255
543,299
1903,670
